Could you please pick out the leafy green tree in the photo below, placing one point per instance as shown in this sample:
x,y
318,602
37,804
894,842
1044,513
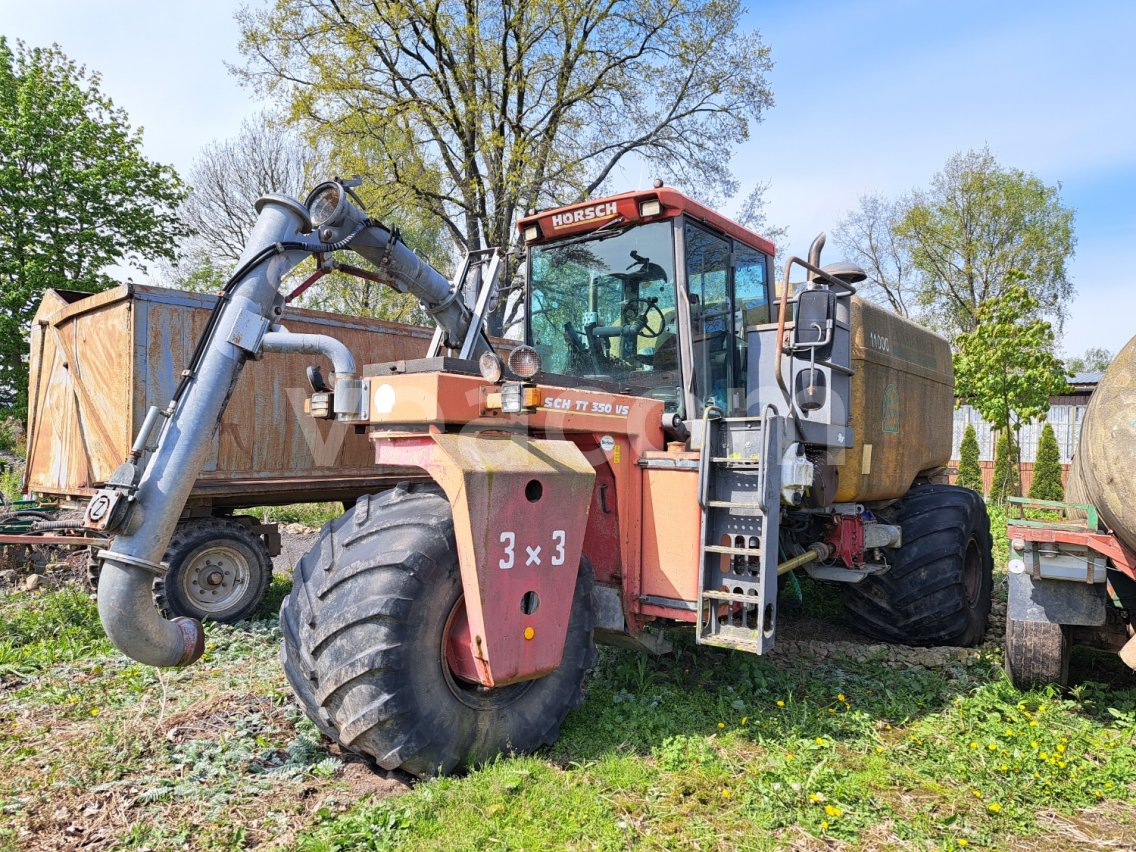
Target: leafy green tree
x,y
1094,360
969,471
1046,483
979,229
76,195
1005,367
1007,479
473,113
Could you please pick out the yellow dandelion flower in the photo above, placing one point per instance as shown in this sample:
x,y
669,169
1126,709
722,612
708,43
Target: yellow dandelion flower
x,y
780,703
1033,744
1004,768
840,698
993,807
815,797
745,719
1061,764
977,794
1009,732
974,745
833,811
789,755
879,748
992,746
962,841
721,724
1044,755
824,825
1033,723
830,710
820,740
1060,747
725,793
95,711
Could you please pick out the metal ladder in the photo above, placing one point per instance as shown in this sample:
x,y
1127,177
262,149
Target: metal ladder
x,y
739,493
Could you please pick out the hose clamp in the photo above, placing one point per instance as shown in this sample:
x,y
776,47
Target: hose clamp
x,y
158,569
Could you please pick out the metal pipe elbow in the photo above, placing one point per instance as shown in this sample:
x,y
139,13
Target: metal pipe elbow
x,y
132,621
343,362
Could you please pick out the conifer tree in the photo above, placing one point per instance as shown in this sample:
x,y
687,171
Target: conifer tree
x,y
1005,481
1047,468
969,472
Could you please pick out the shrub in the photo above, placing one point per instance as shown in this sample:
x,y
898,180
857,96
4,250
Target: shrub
x,y
1046,483
1005,481
970,474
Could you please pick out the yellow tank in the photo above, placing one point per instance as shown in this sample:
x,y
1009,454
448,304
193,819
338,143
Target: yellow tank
x,y
902,404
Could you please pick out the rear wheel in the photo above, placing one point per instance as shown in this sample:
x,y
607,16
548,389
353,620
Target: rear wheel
x,y
1037,654
939,588
219,571
366,650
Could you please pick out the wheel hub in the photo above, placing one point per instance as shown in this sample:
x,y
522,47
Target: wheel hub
x,y
459,668
216,578
972,572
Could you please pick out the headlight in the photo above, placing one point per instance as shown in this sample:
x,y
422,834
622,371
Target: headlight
x,y
524,362
325,204
490,366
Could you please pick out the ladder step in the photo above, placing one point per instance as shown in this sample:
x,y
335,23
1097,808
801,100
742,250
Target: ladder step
x,y
728,461
726,504
732,551
731,597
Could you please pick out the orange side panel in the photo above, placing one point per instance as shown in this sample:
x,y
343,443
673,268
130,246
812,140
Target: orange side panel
x,y
671,530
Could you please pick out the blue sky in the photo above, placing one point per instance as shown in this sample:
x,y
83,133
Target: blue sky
x,y
870,97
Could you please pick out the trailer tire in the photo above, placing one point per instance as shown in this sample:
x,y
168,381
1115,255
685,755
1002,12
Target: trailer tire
x,y
1037,654
219,571
364,644
938,590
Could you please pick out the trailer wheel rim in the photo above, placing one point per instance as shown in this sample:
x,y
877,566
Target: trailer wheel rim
x,y
216,579
972,572
455,659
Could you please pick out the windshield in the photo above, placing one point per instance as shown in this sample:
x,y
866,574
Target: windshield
x,y
604,308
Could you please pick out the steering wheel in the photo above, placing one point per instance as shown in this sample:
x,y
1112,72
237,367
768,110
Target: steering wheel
x,y
631,312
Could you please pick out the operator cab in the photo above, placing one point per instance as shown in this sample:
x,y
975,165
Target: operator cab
x,y
613,283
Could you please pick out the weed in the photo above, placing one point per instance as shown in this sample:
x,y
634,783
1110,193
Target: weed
x,y
313,515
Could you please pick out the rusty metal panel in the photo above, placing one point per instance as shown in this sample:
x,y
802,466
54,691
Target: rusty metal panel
x,y
104,359
520,513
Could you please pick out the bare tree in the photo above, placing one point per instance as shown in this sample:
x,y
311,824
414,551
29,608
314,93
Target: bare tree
x,y
751,214
226,179
471,113
867,236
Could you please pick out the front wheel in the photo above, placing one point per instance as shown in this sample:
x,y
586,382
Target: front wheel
x,y
366,629
939,588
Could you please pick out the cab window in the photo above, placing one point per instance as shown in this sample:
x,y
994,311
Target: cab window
x,y
711,326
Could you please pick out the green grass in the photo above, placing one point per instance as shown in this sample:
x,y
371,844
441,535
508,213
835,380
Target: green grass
x,y
699,748
716,750
309,514
10,483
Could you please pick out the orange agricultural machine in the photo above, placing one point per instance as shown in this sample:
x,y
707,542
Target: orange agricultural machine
x,y
673,436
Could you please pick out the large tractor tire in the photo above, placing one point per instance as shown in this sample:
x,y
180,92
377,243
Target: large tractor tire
x,y
938,590
219,571
1037,654
365,629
